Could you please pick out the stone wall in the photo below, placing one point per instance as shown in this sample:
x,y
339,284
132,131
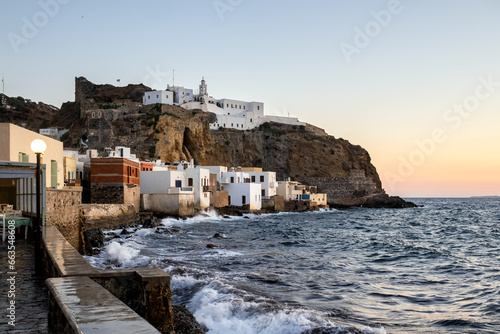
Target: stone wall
x,y
116,194
275,203
344,190
132,195
103,194
63,211
220,198
107,215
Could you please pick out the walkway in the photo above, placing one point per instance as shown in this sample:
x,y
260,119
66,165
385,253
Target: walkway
x,y
31,293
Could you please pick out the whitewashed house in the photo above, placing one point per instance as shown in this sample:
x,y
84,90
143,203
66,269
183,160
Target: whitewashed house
x,y
158,96
267,181
293,190
240,190
199,179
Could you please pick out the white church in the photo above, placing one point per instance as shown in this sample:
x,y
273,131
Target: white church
x,y
231,114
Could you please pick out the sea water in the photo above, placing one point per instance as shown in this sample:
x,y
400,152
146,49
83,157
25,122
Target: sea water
x,y
432,269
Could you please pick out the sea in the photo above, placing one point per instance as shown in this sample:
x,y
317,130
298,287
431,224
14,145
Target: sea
x,y
431,269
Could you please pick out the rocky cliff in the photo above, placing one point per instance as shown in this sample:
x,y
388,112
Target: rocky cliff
x,y
107,116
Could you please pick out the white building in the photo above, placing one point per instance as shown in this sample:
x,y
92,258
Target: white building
x,y
267,181
184,176
53,132
231,114
158,96
122,152
293,190
199,179
163,182
240,190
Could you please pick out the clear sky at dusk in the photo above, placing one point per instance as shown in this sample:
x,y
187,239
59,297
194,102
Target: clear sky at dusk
x,y
416,83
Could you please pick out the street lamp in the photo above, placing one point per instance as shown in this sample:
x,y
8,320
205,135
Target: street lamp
x,y
38,146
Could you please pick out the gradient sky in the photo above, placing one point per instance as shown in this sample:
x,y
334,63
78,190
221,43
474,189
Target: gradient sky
x,y
416,83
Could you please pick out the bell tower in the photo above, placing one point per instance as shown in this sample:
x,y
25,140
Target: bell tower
x,y
203,87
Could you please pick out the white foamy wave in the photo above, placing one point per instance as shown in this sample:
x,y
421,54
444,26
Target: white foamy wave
x,y
144,232
221,253
200,217
120,253
224,312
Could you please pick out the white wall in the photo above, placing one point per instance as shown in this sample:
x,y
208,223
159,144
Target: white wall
x,y
251,191
158,96
201,177
159,182
269,184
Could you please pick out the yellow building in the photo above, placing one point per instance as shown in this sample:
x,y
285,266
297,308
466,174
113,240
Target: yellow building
x,y
69,169
15,145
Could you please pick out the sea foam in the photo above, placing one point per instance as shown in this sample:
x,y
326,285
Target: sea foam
x,y
120,254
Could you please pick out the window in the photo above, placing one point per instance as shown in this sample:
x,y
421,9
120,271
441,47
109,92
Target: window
x,y
232,179
262,178
229,200
149,96
243,107
258,107
232,125
231,105
263,192
237,125
53,173
240,107
243,200
253,178
238,179
251,120
157,96
227,104
190,182
178,183
23,157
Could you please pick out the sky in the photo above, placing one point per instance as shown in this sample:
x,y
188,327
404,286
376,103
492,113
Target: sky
x,y
414,82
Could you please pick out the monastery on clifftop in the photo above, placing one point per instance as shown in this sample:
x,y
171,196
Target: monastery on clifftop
x,y
232,114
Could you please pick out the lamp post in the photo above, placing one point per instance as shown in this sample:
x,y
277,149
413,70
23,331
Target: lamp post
x,y
38,146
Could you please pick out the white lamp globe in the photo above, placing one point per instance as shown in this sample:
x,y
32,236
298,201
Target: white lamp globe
x,y
38,146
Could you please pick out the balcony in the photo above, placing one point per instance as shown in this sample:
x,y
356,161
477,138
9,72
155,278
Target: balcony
x,y
224,181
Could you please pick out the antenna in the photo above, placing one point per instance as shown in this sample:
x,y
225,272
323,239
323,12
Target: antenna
x,y
173,77
3,84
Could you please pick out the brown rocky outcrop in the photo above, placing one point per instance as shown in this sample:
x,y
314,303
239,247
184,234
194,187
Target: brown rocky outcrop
x,y
107,116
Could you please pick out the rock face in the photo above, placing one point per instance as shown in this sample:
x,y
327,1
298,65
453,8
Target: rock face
x,y
306,154
107,116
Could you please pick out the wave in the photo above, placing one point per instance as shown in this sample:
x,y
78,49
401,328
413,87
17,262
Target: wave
x,y
222,308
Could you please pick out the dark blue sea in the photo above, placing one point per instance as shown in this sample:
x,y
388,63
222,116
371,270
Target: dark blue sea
x,y
433,269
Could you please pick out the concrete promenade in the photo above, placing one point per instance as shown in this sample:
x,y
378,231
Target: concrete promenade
x,y
30,292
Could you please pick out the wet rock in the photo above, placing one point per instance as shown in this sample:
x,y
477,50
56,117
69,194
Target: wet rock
x,y
246,217
226,217
386,201
124,231
342,330
185,322
92,239
219,236
212,246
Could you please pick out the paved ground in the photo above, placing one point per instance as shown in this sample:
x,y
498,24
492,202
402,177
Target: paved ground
x,y
31,292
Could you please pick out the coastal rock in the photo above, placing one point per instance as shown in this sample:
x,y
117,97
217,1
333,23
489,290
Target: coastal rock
x,y
185,322
219,236
386,201
304,153
344,330
95,238
212,246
